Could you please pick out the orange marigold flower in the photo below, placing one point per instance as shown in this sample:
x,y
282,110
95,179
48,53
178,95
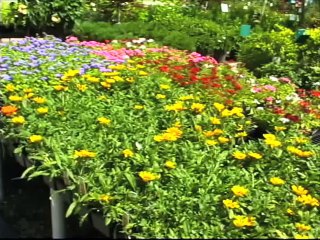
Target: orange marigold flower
x,y
9,110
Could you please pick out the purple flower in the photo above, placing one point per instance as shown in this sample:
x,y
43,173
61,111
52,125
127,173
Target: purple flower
x,y
6,77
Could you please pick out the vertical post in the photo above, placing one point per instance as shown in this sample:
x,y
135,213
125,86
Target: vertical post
x,y
2,156
58,220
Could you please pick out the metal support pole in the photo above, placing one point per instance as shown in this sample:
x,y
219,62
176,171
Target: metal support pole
x,y
58,220
2,156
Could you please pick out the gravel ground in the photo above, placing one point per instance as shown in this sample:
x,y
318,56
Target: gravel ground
x,y
26,207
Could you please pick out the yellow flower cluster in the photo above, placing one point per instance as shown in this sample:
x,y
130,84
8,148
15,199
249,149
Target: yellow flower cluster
x,y
84,154
279,128
185,98
165,86
198,107
160,96
299,190
42,110
18,120
104,120
215,121
69,75
277,181
242,156
15,98
244,221
302,227
178,106
228,203
39,100
171,134
105,198
10,87
90,78
239,191
127,153
170,164
271,140
148,176
308,200
215,132
60,88
35,138
299,152
237,111
82,87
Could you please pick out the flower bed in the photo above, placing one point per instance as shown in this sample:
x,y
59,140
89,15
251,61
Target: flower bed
x,y
225,155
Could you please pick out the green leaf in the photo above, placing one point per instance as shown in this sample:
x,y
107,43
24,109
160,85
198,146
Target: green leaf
x,y
131,180
71,208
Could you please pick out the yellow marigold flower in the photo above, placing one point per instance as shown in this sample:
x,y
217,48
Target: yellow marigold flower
x,y
127,153
118,79
269,136
198,107
142,73
223,139
28,90
299,236
140,66
18,120
215,121
110,80
218,106
211,142
60,88
170,164
10,87
91,79
185,98
308,200
42,110
255,155
278,129
35,138
39,100
273,143
198,128
160,96
290,212
241,134
299,190
237,111
158,138
228,203
243,221
226,113
239,191
215,132
109,74
104,120
148,176
302,227
84,154
15,98
82,87
175,131
105,84
239,155
165,86
178,106
117,67
29,95
277,181
138,107
105,198
130,80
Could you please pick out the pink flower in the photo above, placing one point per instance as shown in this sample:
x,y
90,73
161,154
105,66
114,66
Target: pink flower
x,y
285,80
256,89
269,99
270,88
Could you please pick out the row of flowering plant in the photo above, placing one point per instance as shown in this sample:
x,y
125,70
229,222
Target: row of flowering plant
x,y
168,161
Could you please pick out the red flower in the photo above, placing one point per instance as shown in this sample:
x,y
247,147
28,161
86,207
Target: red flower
x,y
164,69
278,110
315,93
293,118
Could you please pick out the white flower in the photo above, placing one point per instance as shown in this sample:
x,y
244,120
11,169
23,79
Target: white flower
x,y
138,145
150,40
274,79
260,108
23,9
92,4
128,44
114,41
284,120
55,18
256,101
142,47
278,101
94,9
142,39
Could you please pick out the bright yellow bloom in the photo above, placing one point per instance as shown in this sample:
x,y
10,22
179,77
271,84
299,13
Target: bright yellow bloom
x,y
110,80
255,155
29,95
82,87
175,131
299,152
226,113
106,84
273,143
237,111
117,67
171,134
142,73
302,140
239,155
218,106
278,129
84,154
140,66
290,212
42,110
302,227
185,98
170,164
159,138
269,136
148,176
10,87
239,191
109,74
39,100
198,107
277,181
241,134
299,190
70,74
60,88
160,96
130,80
223,139
117,79
35,138
215,132
165,86
127,153
211,142
299,236
138,107
91,78
308,200
15,98
215,121
104,120
28,90
198,128
105,198
18,120
178,106
228,203
243,221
